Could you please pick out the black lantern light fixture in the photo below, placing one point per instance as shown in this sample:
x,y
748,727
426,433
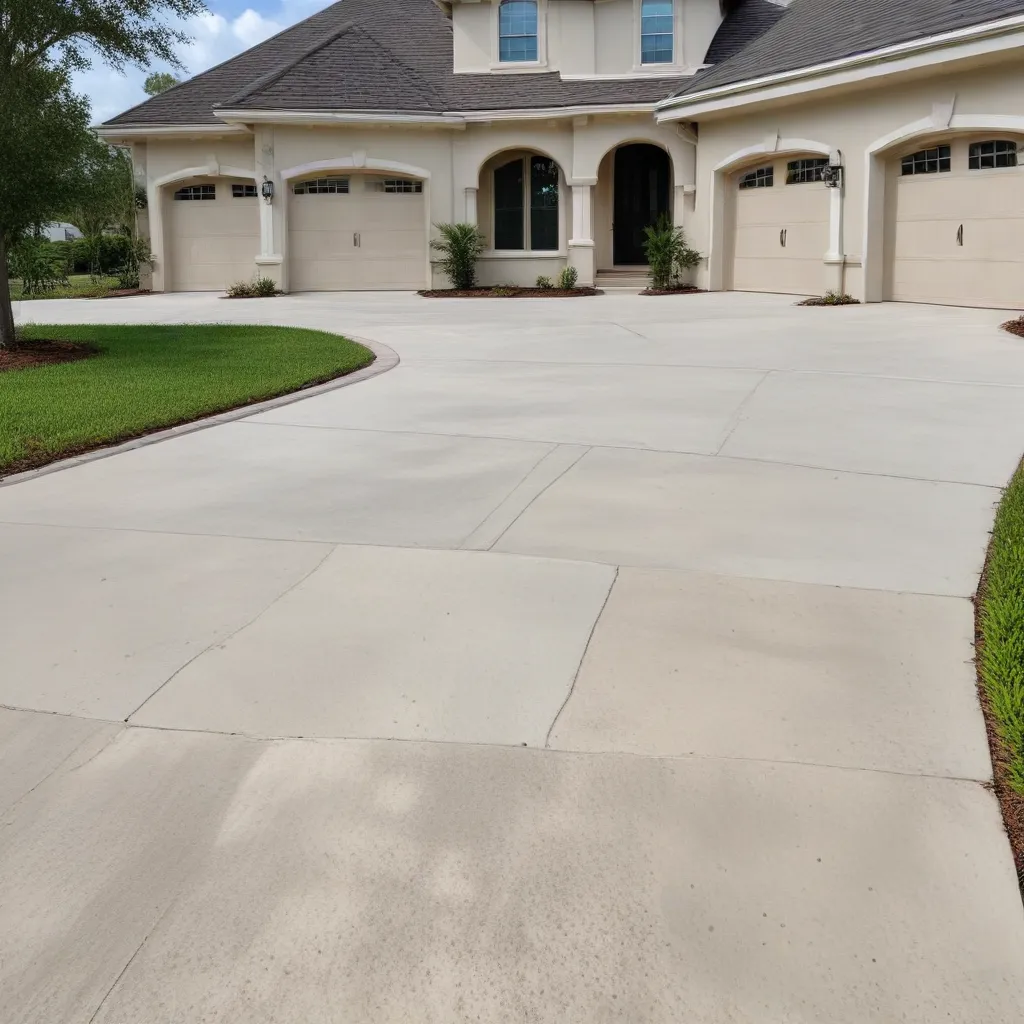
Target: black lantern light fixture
x,y
832,174
267,189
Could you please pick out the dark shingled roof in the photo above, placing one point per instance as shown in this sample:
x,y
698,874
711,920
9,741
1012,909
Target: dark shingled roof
x,y
396,56
816,31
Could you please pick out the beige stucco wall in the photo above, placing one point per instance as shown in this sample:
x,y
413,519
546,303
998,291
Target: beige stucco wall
x,y
581,37
850,123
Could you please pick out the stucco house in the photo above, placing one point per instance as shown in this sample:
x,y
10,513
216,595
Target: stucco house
x,y
871,146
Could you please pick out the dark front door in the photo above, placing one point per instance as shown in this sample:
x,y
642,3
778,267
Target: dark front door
x,y
641,197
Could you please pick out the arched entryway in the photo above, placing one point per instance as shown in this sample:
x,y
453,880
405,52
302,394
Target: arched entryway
x,y
642,189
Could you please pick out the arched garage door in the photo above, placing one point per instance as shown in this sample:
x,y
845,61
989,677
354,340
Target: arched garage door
x,y
357,232
956,230
780,226
212,233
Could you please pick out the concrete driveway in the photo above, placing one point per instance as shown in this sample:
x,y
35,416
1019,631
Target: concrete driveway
x,y
607,660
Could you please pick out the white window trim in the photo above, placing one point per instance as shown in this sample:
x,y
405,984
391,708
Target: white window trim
x,y
677,65
524,254
512,67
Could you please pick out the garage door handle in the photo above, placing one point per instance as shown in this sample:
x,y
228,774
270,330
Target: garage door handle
x,y
782,237
960,235
355,239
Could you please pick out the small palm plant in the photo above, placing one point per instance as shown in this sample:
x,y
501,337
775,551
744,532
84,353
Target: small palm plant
x,y
460,246
668,254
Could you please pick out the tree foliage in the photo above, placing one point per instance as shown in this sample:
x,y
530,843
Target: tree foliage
x,y
44,136
158,82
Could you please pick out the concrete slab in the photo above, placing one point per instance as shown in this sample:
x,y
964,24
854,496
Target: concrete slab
x,y
631,406
439,645
33,746
93,621
691,663
754,519
369,881
884,425
289,483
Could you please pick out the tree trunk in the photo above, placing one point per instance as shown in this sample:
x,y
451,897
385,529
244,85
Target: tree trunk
x,y
6,311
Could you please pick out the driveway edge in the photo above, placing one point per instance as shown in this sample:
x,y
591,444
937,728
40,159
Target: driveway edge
x,y
385,359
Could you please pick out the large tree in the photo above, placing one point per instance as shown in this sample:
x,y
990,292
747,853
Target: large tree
x,y
158,82
43,125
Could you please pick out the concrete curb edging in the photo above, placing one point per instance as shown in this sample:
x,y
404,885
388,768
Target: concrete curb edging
x,y
385,359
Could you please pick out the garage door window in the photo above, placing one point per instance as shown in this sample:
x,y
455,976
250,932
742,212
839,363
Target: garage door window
x,y
194,192
995,153
399,186
321,186
763,177
243,191
926,161
802,172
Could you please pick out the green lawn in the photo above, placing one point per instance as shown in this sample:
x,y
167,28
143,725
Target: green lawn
x,y
79,286
1001,621
150,377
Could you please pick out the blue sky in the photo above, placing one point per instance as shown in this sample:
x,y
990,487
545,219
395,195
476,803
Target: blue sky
x,y
228,27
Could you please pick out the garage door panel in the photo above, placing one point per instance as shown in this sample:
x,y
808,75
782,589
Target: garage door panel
x,y
211,243
361,240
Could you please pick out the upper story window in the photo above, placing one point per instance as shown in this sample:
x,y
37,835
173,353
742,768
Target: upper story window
x,y
926,161
656,31
763,177
517,30
995,153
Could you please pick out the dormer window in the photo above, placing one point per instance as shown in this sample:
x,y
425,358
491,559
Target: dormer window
x,y
517,31
656,31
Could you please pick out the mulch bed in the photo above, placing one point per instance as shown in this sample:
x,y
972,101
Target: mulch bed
x,y
684,290
1015,326
818,300
1010,801
37,352
120,293
509,293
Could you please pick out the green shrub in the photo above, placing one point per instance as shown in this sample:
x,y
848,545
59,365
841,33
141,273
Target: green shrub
x,y
544,282
503,291
264,287
241,290
136,255
568,277
834,298
40,266
460,246
668,254
1001,617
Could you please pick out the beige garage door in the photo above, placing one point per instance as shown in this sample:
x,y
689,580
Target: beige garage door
x,y
357,232
958,231
781,227
212,234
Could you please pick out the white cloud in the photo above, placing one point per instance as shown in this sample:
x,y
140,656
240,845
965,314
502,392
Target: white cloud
x,y
214,38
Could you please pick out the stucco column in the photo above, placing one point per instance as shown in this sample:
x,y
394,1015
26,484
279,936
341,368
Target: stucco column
x,y
835,257
471,212
270,262
581,245
138,151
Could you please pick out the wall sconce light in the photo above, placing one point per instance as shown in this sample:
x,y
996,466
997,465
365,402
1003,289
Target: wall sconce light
x,y
267,189
832,175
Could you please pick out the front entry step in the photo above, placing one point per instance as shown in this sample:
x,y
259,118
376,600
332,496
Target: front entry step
x,y
634,278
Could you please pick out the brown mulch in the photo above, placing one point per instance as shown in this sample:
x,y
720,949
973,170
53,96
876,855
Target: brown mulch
x,y
684,290
38,352
1010,801
508,293
1015,326
818,300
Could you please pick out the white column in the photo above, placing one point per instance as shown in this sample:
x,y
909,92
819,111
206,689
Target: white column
x,y
471,211
270,262
835,257
581,245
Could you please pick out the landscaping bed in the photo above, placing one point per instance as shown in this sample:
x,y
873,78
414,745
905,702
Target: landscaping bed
x,y
1015,326
999,646
508,292
830,299
143,378
685,289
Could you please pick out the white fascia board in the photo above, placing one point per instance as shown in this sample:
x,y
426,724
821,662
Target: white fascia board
x,y
978,40
334,117
546,113
112,131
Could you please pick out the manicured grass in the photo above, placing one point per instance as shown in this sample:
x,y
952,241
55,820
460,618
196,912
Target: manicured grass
x,y
148,377
79,286
1001,625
